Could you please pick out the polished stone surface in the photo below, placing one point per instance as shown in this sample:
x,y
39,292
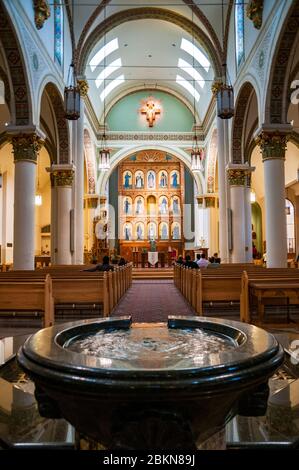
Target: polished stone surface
x,y
21,424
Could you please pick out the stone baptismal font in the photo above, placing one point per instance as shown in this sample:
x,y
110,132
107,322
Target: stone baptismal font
x,y
151,386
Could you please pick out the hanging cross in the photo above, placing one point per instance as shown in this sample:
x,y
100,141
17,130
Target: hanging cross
x,y
150,109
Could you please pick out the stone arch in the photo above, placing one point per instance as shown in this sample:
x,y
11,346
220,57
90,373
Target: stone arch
x,y
125,152
62,154
278,88
242,106
135,14
90,163
20,106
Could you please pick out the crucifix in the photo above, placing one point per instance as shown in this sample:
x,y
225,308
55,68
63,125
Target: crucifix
x,y
151,109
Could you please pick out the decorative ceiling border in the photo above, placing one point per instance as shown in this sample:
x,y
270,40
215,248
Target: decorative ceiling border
x,y
157,136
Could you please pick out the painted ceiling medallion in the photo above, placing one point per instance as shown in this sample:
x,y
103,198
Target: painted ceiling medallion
x,y
41,12
150,107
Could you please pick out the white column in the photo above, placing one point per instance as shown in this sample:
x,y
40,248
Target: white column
x,y
63,178
53,221
79,177
276,233
26,146
24,215
237,178
273,144
248,223
223,227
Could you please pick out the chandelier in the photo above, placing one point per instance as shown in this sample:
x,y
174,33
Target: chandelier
x,y
196,156
104,154
224,91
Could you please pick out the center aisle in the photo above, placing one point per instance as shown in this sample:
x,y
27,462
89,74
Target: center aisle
x,y
152,301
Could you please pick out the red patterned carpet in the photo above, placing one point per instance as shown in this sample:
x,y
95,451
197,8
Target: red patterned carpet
x,y
152,301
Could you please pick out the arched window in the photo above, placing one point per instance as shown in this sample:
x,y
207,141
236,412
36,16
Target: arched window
x,y
290,216
239,28
58,32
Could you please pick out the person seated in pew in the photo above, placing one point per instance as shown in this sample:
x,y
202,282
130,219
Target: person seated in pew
x,y
215,259
202,261
180,260
105,266
122,262
190,264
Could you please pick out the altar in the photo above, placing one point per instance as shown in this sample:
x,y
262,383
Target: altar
x,y
152,258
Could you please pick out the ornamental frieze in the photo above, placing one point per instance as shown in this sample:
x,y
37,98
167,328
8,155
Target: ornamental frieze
x,y
153,136
26,147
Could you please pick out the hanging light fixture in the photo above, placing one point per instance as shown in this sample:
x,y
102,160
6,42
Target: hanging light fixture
x,y
196,152
72,91
196,156
225,92
104,153
72,96
38,197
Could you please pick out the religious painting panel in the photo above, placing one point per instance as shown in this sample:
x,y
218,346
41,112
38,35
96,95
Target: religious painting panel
x,y
175,205
152,231
151,180
139,179
139,231
139,205
163,205
127,231
163,179
127,205
151,206
127,179
175,231
163,231
174,179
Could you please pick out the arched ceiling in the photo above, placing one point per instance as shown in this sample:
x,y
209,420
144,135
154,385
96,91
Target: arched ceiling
x,y
149,49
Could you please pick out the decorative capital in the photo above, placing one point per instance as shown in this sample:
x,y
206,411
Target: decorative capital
x,y
26,146
217,85
83,87
273,145
62,175
210,201
42,12
238,174
91,201
254,12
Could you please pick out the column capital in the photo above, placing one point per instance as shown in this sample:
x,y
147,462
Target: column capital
x,y
208,200
42,12
216,86
237,174
83,86
62,175
26,143
91,201
272,140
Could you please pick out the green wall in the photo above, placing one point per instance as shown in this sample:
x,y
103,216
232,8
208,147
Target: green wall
x,y
125,114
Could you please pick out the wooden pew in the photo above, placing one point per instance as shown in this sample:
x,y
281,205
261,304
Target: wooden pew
x,y
275,286
30,296
72,286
